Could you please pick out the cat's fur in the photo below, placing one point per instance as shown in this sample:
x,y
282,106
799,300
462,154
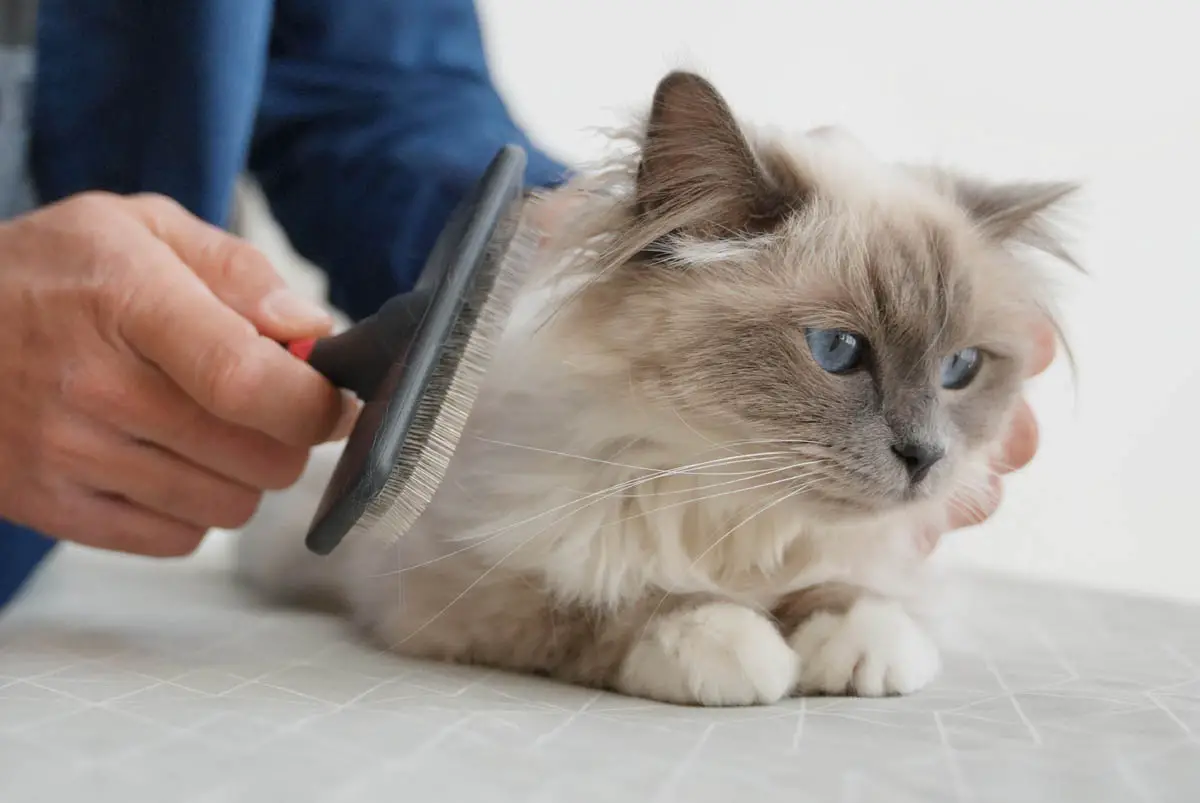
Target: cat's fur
x,y
660,492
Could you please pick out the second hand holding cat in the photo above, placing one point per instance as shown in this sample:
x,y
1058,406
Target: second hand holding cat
x,y
1020,446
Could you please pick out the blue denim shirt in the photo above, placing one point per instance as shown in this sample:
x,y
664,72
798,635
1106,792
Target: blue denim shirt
x,y
16,71
363,120
21,549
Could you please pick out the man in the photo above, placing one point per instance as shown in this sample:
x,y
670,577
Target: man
x,y
141,405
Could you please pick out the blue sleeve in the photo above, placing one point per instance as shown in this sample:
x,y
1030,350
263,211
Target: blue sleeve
x,y
375,118
21,550
134,96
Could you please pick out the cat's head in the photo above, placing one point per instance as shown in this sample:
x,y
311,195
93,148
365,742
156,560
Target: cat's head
x,y
872,322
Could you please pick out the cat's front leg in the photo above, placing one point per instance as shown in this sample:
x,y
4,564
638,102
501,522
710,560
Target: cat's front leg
x,y
851,642
711,653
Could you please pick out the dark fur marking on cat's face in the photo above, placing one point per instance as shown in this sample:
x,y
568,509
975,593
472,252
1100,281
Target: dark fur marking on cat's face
x,y
746,192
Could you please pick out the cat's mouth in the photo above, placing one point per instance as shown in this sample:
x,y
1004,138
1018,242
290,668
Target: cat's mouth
x,y
919,491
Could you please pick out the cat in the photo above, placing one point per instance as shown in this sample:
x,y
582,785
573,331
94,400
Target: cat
x,y
752,369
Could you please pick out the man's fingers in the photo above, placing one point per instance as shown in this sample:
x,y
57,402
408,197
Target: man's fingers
x,y
1022,442
965,510
969,511
107,460
107,522
166,484
351,409
150,407
218,358
235,271
1020,446
1045,344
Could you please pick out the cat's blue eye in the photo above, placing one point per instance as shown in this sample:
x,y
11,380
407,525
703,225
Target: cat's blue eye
x,y
836,350
961,368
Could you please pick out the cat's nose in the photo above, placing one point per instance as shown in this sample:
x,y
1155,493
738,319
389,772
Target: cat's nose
x,y
917,458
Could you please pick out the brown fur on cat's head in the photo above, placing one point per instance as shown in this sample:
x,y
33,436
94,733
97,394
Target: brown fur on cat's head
x,y
727,250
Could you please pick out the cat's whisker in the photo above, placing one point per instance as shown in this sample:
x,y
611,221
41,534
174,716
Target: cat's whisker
x,y
980,488
707,498
968,508
749,477
1003,467
975,488
970,492
679,414
722,446
531,538
480,540
788,495
691,469
705,552
477,541
746,476
678,471
473,584
591,499
600,461
741,475
556,453
773,442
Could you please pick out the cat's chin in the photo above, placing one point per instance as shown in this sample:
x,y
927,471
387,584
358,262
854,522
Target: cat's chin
x,y
849,510
863,509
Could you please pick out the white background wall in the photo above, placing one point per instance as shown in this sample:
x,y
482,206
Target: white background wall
x,y
1107,91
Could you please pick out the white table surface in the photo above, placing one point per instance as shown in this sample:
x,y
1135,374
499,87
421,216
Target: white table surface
x,y
126,681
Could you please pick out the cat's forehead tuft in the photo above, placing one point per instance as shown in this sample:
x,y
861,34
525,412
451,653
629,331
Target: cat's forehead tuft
x,y
881,250
840,169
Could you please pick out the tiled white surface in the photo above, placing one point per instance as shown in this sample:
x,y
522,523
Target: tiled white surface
x,y
126,681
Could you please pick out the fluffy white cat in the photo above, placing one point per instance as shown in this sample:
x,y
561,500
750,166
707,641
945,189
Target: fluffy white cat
x,y
699,463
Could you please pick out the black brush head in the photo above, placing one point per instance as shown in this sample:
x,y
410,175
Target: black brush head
x,y
418,356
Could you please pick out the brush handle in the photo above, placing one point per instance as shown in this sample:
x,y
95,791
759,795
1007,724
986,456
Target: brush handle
x,y
359,358
386,467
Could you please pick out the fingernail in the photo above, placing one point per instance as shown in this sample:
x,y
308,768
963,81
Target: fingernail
x,y
351,407
288,308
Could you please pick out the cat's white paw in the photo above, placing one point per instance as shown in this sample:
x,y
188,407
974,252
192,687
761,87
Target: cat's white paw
x,y
873,650
717,654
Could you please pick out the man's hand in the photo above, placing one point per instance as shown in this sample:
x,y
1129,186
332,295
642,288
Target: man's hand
x,y
145,398
1019,447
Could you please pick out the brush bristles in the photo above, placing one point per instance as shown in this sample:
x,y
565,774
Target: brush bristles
x,y
441,417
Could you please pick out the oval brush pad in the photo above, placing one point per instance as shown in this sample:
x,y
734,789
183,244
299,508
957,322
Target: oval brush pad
x,y
418,363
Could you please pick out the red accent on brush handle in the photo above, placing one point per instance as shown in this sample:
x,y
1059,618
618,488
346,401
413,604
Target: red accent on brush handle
x,y
302,348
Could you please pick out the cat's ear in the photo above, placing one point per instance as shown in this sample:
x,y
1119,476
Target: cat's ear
x,y
1019,212
698,168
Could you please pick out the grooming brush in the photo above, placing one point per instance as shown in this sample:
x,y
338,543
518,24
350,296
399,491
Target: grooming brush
x,y
417,364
